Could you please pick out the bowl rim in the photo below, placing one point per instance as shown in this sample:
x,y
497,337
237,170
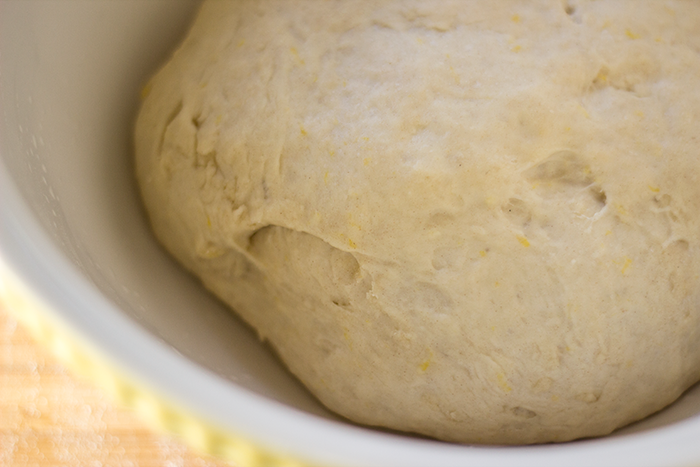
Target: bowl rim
x,y
62,295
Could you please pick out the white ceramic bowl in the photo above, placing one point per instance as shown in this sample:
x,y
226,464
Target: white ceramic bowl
x,y
77,259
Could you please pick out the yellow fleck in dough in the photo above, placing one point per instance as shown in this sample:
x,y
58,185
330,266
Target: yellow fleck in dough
x,y
446,147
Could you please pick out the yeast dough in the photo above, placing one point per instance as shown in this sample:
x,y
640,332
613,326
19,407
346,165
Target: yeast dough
x,y
474,220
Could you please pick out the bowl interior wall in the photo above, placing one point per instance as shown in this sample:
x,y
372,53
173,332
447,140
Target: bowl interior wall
x,y
71,82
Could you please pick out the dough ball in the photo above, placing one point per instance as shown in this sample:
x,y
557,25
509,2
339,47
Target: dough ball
x,y
473,220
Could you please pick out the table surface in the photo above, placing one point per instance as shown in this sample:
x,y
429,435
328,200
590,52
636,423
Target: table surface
x,y
50,417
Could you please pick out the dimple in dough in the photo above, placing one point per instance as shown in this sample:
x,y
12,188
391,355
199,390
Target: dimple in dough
x,y
473,220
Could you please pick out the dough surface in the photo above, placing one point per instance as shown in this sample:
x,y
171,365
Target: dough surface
x,y
473,220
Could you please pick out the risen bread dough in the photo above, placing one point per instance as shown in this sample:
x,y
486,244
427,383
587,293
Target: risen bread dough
x,y
473,220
